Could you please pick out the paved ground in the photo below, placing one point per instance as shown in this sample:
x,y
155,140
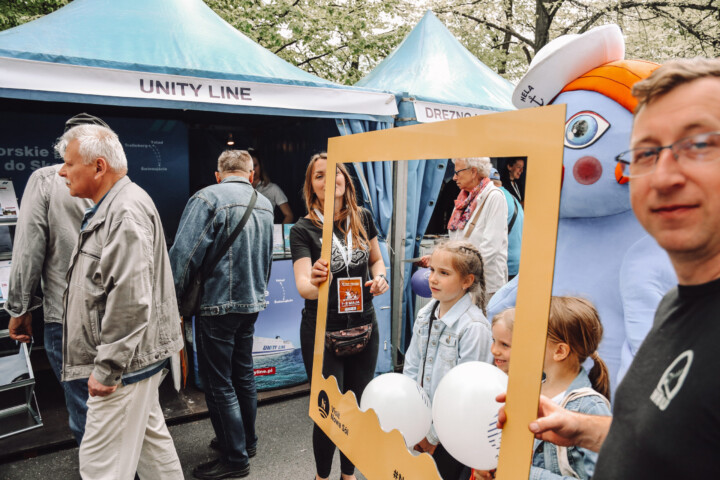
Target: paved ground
x,y
284,448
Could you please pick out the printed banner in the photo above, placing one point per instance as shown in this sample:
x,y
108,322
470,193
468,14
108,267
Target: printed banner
x,y
83,80
428,112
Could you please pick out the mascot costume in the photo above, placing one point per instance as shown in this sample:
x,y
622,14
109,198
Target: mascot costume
x,y
602,253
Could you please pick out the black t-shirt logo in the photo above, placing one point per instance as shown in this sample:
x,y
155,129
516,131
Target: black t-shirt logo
x,y
672,380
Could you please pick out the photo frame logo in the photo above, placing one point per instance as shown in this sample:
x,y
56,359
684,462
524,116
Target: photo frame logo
x,y
323,404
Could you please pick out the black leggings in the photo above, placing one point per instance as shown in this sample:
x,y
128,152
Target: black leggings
x,y
353,373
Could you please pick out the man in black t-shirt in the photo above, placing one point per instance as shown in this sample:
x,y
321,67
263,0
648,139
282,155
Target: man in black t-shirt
x,y
666,420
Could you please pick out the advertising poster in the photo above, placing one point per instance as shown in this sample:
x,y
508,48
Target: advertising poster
x,y
157,153
277,356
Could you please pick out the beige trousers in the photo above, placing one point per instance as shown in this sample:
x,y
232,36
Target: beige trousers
x,y
126,432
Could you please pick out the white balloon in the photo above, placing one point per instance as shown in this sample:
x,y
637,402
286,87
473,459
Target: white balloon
x,y
465,413
399,403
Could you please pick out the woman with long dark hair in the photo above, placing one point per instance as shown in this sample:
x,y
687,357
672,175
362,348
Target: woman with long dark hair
x,y
355,259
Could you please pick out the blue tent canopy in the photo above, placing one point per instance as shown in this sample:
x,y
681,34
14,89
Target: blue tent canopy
x,y
167,54
437,78
432,65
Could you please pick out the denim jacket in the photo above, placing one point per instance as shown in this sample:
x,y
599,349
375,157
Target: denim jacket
x,y
462,335
582,461
239,281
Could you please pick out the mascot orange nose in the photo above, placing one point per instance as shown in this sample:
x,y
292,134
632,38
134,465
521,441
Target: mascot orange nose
x,y
587,170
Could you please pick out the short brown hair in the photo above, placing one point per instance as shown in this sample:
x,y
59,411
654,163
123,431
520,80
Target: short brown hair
x,y
671,75
235,161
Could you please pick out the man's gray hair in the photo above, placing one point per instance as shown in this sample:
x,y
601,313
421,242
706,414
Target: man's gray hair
x,y
481,164
95,141
235,161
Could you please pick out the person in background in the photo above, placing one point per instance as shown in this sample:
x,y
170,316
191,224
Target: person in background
x,y
356,257
513,171
233,295
516,216
502,329
45,236
450,330
480,217
262,183
121,322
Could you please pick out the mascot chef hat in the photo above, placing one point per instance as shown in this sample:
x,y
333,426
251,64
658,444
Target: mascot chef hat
x,y
591,61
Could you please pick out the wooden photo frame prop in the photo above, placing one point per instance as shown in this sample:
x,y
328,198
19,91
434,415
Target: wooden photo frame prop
x,y
535,133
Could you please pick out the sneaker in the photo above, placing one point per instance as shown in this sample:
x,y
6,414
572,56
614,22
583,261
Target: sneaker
x,y
215,445
221,469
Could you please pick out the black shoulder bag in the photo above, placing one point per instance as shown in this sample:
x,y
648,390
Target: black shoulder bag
x,y
189,304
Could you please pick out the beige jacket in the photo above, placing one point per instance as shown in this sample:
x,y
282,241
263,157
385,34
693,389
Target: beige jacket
x,y
121,314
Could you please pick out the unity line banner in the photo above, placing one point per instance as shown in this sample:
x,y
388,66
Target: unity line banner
x,y
20,74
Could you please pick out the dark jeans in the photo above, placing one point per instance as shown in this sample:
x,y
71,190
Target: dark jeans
x,y
353,373
76,391
226,368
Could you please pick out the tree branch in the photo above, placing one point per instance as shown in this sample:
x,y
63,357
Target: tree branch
x,y
494,25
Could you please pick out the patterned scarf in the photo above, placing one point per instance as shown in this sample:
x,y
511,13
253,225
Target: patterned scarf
x,y
465,205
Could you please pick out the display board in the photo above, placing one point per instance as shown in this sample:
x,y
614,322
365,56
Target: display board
x,y
156,149
536,134
277,357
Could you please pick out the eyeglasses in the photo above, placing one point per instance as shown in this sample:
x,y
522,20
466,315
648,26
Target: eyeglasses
x,y
704,147
457,172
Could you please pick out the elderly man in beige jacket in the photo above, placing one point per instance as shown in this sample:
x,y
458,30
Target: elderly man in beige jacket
x,y
121,321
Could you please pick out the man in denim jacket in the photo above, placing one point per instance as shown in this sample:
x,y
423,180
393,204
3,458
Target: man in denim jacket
x,y
121,321
233,295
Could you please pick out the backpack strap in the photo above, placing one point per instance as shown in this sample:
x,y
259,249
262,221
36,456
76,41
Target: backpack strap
x,y
562,455
477,214
514,217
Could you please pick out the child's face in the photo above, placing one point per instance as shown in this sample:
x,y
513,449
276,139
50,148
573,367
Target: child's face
x,y
446,284
502,341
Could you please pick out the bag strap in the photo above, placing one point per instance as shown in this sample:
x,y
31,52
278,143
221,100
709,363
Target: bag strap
x,y
514,217
432,320
477,215
562,455
233,236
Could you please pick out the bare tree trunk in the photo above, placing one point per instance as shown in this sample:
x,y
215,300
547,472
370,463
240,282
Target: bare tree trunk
x,y
505,47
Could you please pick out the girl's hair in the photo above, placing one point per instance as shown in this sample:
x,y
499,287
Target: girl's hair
x,y
264,178
575,321
349,209
466,260
507,317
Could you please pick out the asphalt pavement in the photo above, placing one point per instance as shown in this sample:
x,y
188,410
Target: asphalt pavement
x,y
284,448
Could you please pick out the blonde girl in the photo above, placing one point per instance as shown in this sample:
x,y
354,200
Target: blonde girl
x,y
450,330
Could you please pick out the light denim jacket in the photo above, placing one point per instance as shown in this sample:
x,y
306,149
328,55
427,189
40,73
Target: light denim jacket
x,y
582,461
462,335
46,234
239,281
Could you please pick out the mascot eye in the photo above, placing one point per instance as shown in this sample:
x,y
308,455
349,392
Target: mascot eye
x,y
583,129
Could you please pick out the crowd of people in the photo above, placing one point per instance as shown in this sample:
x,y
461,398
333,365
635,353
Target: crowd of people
x,y
111,289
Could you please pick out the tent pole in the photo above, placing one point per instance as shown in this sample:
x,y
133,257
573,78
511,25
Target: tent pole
x,y
397,254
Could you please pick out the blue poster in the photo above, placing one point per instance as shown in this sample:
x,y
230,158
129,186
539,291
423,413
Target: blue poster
x,y
157,153
277,356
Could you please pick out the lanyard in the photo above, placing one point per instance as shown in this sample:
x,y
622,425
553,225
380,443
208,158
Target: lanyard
x,y
347,257
515,187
